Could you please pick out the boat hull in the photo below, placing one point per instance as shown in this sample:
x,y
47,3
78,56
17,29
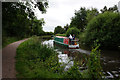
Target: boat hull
x,y
64,41
74,46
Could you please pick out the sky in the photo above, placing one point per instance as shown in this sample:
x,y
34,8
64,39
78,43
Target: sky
x,y
60,12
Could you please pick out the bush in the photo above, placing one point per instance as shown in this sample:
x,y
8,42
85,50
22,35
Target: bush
x,y
72,31
34,60
105,29
94,67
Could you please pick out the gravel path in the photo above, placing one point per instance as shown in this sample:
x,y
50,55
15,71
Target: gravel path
x,y
8,60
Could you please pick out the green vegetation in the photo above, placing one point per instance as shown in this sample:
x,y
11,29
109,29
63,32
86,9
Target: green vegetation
x,y
94,67
111,9
104,28
8,40
91,14
61,35
72,31
48,33
46,37
79,20
19,20
34,60
59,30
91,26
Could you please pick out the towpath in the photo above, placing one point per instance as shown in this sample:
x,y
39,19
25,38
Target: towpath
x,y
8,59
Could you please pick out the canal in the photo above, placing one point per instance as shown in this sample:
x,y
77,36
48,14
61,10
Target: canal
x,y
110,59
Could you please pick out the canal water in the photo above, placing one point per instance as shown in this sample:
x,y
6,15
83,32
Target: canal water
x,y
110,60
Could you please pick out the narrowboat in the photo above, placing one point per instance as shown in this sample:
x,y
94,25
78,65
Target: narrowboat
x,y
71,44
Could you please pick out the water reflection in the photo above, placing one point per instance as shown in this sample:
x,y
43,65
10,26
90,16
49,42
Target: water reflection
x,y
110,60
68,56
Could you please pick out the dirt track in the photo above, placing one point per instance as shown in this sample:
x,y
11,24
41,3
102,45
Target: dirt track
x,y
8,60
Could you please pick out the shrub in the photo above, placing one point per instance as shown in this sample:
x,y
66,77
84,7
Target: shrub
x,y
34,60
72,31
94,67
105,28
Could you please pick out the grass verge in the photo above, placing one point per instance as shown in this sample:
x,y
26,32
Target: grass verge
x,y
8,40
34,60
61,35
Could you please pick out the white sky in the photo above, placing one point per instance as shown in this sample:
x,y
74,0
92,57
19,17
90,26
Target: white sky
x,y
61,11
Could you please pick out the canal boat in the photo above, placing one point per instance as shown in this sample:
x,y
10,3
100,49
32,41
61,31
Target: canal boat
x,y
71,44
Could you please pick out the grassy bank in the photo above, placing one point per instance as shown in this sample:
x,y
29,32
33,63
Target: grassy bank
x,y
34,60
46,37
61,35
8,40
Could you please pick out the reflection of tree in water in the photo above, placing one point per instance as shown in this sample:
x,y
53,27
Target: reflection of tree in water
x,y
80,59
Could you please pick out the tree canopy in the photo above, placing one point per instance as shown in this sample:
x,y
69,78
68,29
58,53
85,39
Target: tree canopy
x,y
72,31
79,20
105,29
59,30
18,18
111,9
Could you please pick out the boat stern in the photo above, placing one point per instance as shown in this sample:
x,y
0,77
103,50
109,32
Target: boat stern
x,y
74,46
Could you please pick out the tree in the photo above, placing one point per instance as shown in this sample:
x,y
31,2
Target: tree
x,y
111,9
104,9
79,20
91,14
37,27
66,27
59,30
105,28
72,31
18,17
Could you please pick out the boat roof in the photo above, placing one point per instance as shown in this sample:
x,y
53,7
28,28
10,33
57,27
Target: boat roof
x,y
61,37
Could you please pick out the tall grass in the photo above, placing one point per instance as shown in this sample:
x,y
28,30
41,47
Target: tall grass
x,y
7,40
34,60
94,67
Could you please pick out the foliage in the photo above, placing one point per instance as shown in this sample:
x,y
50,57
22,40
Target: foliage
x,y
91,14
94,67
73,72
72,31
48,33
33,60
8,40
79,20
61,35
104,28
66,27
59,30
42,5
36,27
19,21
111,9
17,18
12,19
